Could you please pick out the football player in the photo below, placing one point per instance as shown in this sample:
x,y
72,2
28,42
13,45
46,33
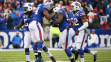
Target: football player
x,y
36,29
66,34
79,24
27,18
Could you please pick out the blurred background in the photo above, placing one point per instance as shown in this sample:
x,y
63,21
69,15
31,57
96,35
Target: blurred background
x,y
98,13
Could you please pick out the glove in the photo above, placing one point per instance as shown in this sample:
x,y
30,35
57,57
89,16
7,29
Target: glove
x,y
16,27
88,31
56,10
51,22
77,32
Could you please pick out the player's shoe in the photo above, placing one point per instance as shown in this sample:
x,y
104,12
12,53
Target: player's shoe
x,y
28,61
76,53
39,59
72,60
53,59
95,56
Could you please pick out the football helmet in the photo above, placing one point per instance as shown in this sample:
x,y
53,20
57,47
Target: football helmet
x,y
75,6
27,7
49,3
57,8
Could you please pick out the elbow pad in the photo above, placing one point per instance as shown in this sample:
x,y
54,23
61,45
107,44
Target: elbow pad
x,y
84,26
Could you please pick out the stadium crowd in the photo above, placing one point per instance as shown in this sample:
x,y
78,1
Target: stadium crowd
x,y
97,11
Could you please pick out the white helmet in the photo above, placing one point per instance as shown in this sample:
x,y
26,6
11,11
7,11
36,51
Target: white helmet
x,y
57,8
49,3
27,7
76,6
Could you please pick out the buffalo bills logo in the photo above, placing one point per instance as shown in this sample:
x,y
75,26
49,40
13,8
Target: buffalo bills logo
x,y
77,4
29,5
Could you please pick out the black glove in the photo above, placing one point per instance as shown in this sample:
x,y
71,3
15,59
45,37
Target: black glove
x,y
51,22
16,28
77,32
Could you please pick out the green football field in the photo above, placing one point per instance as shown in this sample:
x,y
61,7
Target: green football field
x,y
104,55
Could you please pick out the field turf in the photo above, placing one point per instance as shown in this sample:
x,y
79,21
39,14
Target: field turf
x,y
104,55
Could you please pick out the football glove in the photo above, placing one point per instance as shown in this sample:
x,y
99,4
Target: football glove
x,y
51,22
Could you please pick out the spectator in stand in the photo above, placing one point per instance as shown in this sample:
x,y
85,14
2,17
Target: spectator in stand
x,y
35,3
100,5
3,22
86,1
88,7
1,10
16,40
102,16
39,2
93,42
19,8
61,2
7,12
90,16
66,3
2,2
109,20
96,22
106,4
108,10
94,3
9,23
17,18
105,25
13,4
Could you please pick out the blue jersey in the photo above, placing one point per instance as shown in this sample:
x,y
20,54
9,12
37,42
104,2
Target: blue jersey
x,y
27,20
76,19
65,22
38,14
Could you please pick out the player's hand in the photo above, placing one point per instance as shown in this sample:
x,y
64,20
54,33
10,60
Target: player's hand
x,y
51,22
16,27
77,32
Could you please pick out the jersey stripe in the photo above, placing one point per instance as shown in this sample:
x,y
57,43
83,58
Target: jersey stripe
x,y
67,38
83,38
40,34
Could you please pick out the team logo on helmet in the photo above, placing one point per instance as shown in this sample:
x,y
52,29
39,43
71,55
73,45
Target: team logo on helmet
x,y
29,5
77,4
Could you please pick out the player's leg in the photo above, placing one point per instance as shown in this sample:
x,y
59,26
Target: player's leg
x,y
45,49
79,39
38,30
94,53
65,42
27,41
35,51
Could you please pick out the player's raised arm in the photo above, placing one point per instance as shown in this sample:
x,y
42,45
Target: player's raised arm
x,y
47,15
